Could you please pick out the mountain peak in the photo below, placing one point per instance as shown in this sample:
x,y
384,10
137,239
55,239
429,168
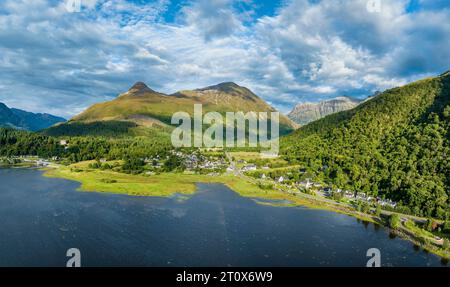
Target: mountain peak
x,y
224,87
3,106
140,87
229,85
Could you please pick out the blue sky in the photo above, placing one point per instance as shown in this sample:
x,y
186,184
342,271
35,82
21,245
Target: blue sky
x,y
286,51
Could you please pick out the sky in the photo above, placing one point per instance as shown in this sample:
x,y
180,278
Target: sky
x,y
61,60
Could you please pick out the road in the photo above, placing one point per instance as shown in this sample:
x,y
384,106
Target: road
x,y
238,172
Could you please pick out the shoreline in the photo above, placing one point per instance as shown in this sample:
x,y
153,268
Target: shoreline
x,y
168,184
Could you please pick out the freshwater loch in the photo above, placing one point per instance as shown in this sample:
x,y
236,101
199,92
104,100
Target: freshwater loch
x,y
41,218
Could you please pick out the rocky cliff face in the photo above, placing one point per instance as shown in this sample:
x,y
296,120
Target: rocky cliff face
x,y
305,113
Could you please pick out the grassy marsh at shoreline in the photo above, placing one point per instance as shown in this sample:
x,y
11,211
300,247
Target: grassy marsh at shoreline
x,y
167,184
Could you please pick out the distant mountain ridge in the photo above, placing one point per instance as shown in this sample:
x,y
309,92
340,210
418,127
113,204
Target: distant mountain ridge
x,y
20,119
148,108
305,113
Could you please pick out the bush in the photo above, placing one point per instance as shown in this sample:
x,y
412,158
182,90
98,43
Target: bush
x,y
446,244
378,210
106,166
265,186
359,206
107,180
404,210
173,163
133,165
365,207
95,165
430,225
337,196
394,221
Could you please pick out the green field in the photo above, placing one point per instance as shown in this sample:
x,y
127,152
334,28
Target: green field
x,y
167,184
164,184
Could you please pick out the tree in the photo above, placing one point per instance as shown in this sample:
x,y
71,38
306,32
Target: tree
x,y
337,196
430,225
394,221
446,227
173,163
378,210
446,244
394,146
359,206
133,165
365,207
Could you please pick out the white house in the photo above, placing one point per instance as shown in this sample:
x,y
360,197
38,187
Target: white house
x,y
249,167
306,183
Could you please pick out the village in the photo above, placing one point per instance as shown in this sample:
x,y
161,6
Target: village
x,y
213,163
309,186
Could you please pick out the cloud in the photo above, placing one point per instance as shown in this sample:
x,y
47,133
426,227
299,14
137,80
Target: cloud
x,y
212,18
60,62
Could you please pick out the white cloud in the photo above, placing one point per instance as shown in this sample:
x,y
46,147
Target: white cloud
x,y
63,62
212,18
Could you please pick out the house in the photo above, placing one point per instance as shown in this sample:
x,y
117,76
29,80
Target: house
x,y
42,163
280,179
306,183
327,191
213,174
249,167
63,142
348,194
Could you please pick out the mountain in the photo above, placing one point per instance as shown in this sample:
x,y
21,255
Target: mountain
x,y
305,113
394,145
145,107
20,119
7,117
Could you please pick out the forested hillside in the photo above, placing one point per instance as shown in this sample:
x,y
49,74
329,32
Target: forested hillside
x,y
396,145
19,119
22,143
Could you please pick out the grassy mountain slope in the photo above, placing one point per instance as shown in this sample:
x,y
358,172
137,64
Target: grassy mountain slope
x,y
147,108
396,145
